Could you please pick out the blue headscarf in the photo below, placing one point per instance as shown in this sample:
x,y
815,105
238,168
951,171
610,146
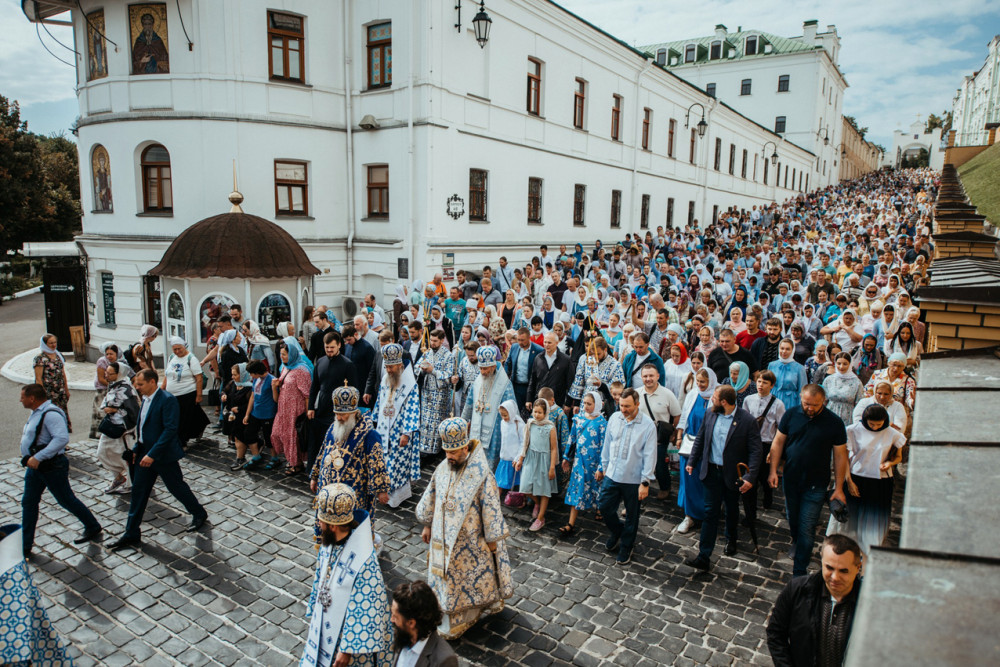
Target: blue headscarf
x,y
245,379
227,337
296,357
743,378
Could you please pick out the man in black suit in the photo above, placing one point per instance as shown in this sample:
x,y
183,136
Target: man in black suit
x,y
330,372
156,454
316,344
360,352
519,363
728,436
550,369
416,615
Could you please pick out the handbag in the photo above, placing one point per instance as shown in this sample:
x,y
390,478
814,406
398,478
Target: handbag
x,y
111,429
302,431
687,445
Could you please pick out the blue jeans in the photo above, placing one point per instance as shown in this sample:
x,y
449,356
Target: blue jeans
x,y
612,494
717,493
803,505
56,480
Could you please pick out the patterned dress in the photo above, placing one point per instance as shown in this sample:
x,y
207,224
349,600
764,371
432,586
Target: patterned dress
x,y
587,437
843,394
395,417
54,382
293,399
435,397
607,371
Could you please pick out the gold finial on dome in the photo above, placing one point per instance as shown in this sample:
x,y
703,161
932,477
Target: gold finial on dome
x,y
235,197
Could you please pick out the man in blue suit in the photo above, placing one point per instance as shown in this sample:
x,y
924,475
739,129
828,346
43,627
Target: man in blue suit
x,y
518,366
728,436
156,454
640,356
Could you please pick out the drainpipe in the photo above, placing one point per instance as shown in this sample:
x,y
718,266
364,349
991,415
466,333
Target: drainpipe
x,y
348,61
636,146
410,145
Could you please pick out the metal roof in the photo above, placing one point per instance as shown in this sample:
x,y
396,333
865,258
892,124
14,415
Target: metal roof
x,y
779,46
40,11
963,280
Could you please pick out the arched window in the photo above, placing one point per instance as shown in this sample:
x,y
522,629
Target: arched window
x,y
175,316
273,309
156,192
212,308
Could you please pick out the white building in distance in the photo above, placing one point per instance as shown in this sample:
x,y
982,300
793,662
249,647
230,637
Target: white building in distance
x,y
792,85
976,106
908,143
386,140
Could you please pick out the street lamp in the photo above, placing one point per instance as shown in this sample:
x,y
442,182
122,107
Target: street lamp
x,y
482,22
774,155
843,149
702,125
826,136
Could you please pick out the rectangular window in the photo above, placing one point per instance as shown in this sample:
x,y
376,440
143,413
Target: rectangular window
x,y
779,125
783,83
745,87
690,212
765,171
534,201
670,137
793,178
710,89
689,53
616,208
670,212
732,159
647,118
694,139
378,191
616,118
286,54
718,154
579,98
750,48
579,204
715,51
291,188
477,195
108,298
644,213
380,55
534,87
800,181
715,214
154,304
786,177
755,166
743,172
807,182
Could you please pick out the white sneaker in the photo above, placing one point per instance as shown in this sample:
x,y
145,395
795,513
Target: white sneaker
x,y
123,489
685,526
378,542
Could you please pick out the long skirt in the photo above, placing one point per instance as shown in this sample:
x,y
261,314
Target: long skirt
x,y
97,414
868,514
691,495
193,419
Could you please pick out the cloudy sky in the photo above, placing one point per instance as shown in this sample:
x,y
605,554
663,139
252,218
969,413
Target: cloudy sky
x,y
900,57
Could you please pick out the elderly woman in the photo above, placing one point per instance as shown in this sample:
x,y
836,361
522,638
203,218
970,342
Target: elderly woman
x,y
790,375
735,323
183,377
115,405
109,355
903,386
676,367
739,379
50,372
818,359
804,344
697,403
291,391
846,330
260,345
919,328
843,388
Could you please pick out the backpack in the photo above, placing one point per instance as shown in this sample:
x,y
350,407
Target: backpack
x,y
129,355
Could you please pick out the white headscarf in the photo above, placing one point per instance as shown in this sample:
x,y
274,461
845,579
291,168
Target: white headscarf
x,y
255,336
284,329
177,340
713,382
511,432
147,333
598,402
45,349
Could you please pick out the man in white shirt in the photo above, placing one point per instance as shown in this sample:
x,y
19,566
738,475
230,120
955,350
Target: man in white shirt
x,y
664,409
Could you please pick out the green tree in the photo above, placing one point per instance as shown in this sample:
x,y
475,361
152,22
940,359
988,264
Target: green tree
x,y
39,183
854,123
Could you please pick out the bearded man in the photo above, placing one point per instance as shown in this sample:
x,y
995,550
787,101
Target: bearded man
x,y
482,403
397,417
348,609
352,454
468,566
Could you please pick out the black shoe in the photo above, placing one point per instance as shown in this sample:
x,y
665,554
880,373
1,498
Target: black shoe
x,y
88,536
237,464
27,555
730,548
196,524
624,557
612,542
125,543
698,563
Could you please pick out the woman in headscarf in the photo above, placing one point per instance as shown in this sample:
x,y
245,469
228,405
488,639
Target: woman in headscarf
x,y
109,355
697,403
585,441
683,306
183,377
676,368
906,342
235,399
229,353
885,327
498,334
400,304
260,346
707,343
903,385
693,287
873,450
790,375
114,406
843,388
881,275
548,312
439,321
739,379
740,303
50,372
871,295
140,355
736,323
867,358
912,315
846,330
804,344
291,391
613,332
511,442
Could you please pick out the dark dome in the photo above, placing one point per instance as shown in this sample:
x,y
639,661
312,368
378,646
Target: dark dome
x,y
235,245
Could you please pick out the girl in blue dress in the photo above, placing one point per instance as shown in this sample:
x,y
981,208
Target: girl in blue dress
x,y
511,443
587,439
790,374
691,495
537,462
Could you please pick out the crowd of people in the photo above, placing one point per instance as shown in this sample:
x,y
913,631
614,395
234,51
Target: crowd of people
x,y
738,357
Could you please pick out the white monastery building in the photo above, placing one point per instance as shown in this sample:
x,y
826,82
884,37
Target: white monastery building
x,y
392,138
792,85
976,107
909,142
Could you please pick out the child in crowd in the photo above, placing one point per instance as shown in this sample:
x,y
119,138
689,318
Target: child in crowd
x,y
235,399
259,417
768,410
586,441
616,392
511,444
539,456
537,330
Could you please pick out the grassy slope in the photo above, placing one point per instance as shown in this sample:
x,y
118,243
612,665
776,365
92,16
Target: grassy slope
x,y
981,178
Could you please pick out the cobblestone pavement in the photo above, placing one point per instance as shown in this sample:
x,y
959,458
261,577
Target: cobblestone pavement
x,y
234,594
